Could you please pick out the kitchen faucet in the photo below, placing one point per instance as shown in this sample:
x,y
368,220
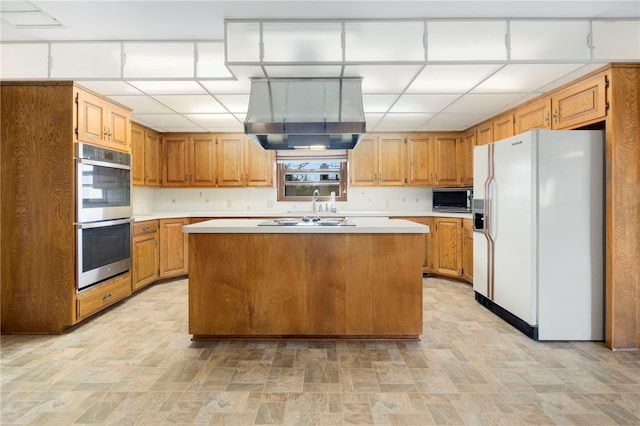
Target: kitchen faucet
x,y
316,198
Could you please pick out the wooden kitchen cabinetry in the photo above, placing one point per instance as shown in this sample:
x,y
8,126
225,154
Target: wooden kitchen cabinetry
x,y
102,122
439,160
97,298
145,154
447,246
378,161
534,115
37,189
465,157
215,160
503,127
427,264
467,250
259,168
145,268
484,133
174,246
580,103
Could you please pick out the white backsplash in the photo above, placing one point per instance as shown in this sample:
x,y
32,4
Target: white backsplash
x,y
232,200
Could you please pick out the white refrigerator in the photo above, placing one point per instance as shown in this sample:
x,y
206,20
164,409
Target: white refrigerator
x,y
538,244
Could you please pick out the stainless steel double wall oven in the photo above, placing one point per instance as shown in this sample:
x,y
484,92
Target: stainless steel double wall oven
x,y
104,214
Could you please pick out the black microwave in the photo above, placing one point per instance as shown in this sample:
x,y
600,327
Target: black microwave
x,y
453,200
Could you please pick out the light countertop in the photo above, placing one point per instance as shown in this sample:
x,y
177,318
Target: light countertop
x,y
140,217
362,225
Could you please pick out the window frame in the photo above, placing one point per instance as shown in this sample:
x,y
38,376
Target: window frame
x,y
341,195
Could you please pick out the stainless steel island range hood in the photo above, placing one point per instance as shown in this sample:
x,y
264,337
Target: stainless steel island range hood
x,y
306,113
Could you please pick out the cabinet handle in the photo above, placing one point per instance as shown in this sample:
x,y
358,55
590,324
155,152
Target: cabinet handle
x,y
547,119
555,116
106,297
104,133
145,229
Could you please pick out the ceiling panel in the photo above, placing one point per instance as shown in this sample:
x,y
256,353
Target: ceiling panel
x,y
234,103
378,103
524,78
142,104
453,122
191,104
109,87
451,78
217,122
431,103
401,122
383,78
488,103
167,122
152,87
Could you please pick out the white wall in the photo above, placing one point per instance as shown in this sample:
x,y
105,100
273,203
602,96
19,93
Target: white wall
x,y
231,200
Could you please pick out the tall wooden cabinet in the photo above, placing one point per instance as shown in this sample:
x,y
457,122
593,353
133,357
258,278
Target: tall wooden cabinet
x,y
37,182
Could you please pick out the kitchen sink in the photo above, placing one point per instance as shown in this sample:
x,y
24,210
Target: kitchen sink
x,y
308,221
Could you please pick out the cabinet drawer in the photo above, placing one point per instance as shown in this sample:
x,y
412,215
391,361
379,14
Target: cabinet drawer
x,y
146,227
102,296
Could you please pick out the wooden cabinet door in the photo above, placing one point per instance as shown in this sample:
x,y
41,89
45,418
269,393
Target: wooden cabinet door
x,y
230,160
145,254
259,165
580,103
174,246
118,128
203,160
445,160
465,157
467,250
503,127
485,134
392,160
536,115
427,240
137,154
448,249
152,155
92,114
420,154
363,162
175,160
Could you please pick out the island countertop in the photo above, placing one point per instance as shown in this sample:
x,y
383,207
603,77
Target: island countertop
x,y
372,225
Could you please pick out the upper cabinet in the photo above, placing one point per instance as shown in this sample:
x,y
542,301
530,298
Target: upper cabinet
x,y
378,161
503,126
102,122
145,154
581,103
215,160
465,157
534,115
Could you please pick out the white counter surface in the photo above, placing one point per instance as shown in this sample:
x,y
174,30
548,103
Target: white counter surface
x,y
362,225
273,214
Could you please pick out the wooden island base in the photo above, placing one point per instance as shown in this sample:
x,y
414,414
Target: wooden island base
x,y
311,286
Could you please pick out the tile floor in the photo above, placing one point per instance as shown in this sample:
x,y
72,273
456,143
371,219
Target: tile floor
x,y
136,364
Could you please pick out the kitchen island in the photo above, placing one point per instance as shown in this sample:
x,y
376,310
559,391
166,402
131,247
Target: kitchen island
x,y
361,281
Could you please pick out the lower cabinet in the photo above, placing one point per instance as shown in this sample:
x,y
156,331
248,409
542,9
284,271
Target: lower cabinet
x,y
467,250
145,268
174,246
101,296
448,246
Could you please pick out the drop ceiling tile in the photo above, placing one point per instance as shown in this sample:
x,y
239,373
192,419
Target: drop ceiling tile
x,y
234,103
483,103
521,78
168,87
431,103
378,103
402,122
452,122
216,87
167,122
109,88
583,69
372,121
217,122
142,104
383,78
191,104
451,78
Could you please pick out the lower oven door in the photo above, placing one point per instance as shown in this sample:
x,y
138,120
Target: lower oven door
x,y
103,250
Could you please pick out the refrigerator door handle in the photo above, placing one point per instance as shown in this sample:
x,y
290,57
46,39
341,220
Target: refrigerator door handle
x,y
487,221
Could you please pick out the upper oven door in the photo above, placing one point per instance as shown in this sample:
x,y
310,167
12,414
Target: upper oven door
x,y
104,190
